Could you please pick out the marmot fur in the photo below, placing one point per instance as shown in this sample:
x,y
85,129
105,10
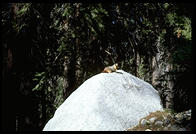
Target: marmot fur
x,y
110,69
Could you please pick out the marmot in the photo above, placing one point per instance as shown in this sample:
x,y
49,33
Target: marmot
x,y
110,69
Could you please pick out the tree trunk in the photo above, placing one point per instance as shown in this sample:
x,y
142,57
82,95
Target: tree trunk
x,y
155,71
170,86
161,67
66,82
138,61
78,71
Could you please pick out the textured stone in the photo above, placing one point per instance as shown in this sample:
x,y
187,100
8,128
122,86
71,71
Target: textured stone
x,y
148,130
106,102
165,129
166,121
174,128
143,122
152,119
164,117
182,129
159,123
178,116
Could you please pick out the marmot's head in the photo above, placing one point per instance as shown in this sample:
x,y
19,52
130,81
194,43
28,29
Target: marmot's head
x,y
116,66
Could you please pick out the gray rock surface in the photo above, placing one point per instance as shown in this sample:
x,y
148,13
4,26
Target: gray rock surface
x,y
152,119
106,102
148,130
174,128
159,123
165,121
143,122
165,129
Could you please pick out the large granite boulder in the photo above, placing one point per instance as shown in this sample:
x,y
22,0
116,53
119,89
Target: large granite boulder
x,y
106,102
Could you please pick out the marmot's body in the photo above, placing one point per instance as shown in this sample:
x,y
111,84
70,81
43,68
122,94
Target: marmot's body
x,y
110,69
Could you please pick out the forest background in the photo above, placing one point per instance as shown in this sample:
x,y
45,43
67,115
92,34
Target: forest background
x,y
49,50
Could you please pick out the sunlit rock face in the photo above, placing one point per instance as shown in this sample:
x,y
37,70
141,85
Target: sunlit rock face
x,y
106,102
